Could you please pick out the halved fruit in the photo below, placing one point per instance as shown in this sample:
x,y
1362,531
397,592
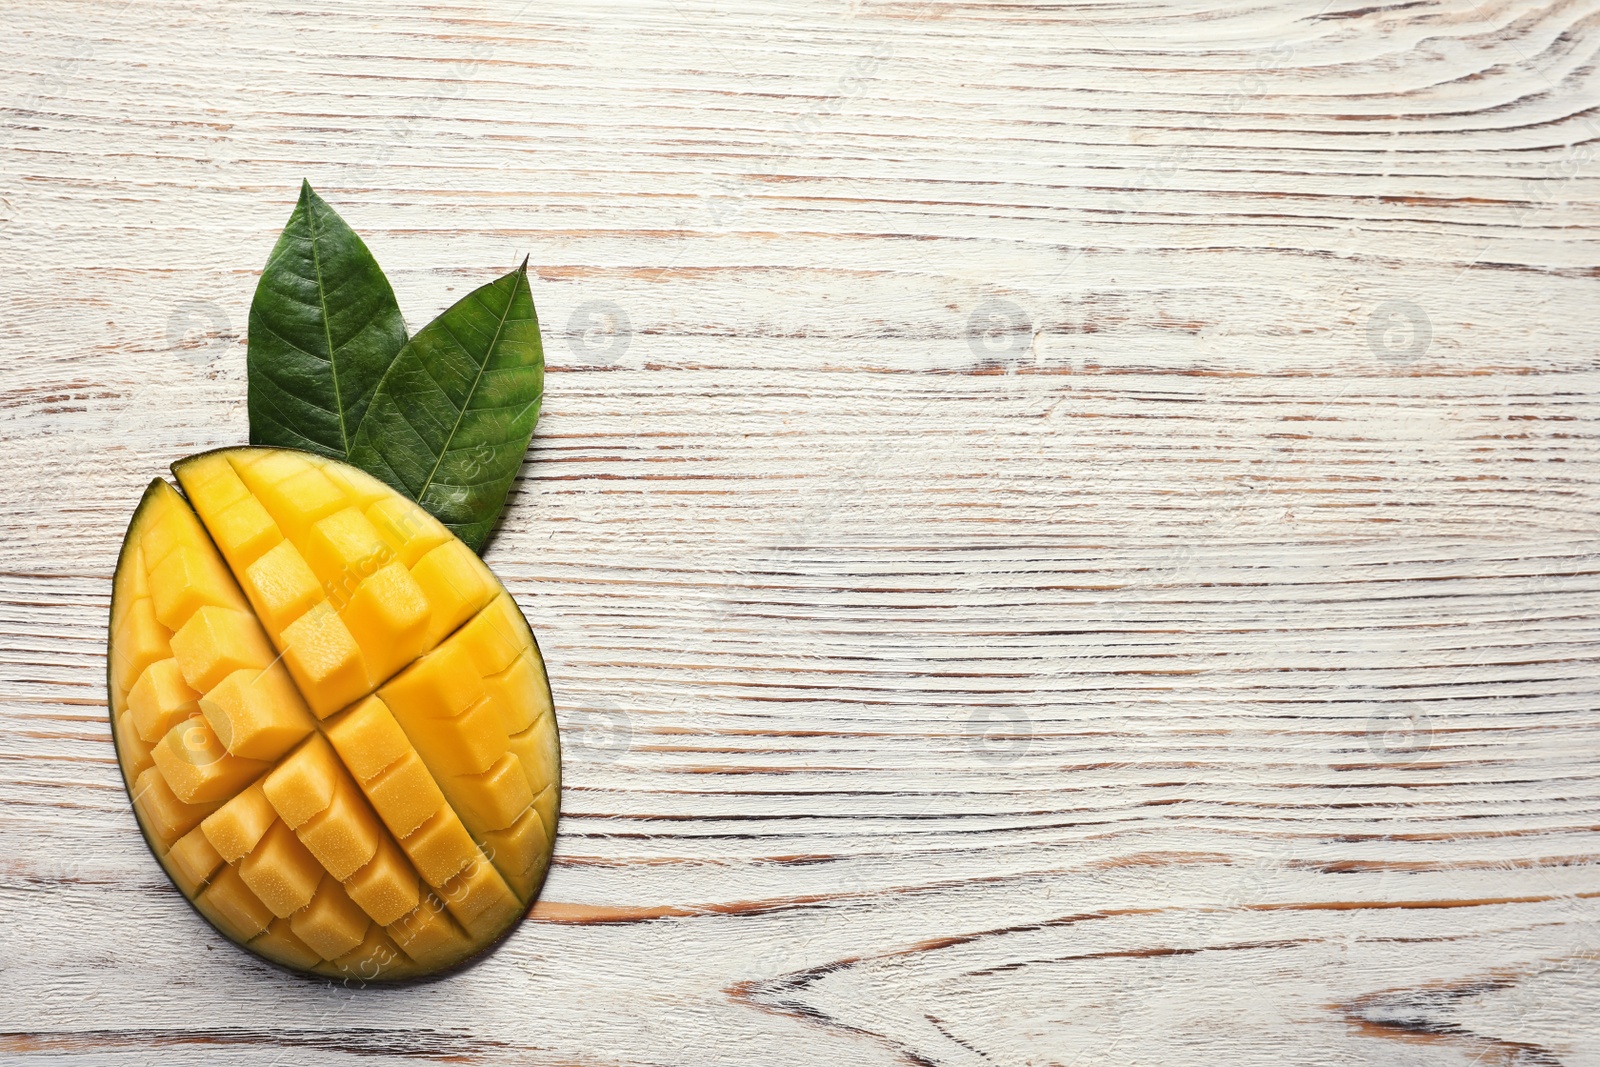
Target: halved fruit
x,y
333,721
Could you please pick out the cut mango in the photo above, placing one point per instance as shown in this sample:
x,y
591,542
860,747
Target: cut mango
x,y
302,786
257,714
244,531
440,848
522,851
187,580
495,798
405,795
240,824
281,586
197,767
192,862
345,835
325,660
232,907
281,872
428,935
279,944
160,699
215,642
135,750
410,532
333,721
332,924
164,816
386,888
368,739
139,641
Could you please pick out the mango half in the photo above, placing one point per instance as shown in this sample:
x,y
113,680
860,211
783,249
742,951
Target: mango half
x,y
333,721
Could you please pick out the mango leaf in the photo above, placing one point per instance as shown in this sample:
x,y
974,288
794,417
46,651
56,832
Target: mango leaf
x,y
324,327
452,418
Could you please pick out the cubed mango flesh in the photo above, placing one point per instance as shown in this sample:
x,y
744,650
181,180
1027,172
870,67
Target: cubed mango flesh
x,y
325,660
233,907
332,924
239,824
281,872
386,888
244,531
217,641
195,764
279,944
161,698
257,714
281,586
192,861
368,739
332,719
428,935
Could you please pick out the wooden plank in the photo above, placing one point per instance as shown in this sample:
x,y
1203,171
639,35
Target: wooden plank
x,y
1061,534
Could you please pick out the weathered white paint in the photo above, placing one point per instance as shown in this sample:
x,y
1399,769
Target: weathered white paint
x,y
1203,673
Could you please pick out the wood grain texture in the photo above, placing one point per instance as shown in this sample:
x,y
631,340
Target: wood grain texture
x,y
1063,534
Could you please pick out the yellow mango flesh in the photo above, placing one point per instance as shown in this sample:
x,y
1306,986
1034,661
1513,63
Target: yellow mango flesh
x,y
333,721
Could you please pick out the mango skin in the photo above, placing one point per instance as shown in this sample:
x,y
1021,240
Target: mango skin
x,y
470,911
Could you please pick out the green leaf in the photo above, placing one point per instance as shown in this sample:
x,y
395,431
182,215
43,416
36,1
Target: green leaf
x,y
452,418
324,327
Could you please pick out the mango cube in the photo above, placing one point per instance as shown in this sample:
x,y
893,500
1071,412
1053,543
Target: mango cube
x,y
132,750
344,836
215,642
521,852
300,500
161,698
518,694
405,795
197,766
139,641
257,714
493,799
410,532
341,548
466,744
375,955
166,531
161,812
386,888
244,531
429,936
332,924
281,586
479,898
192,862
281,872
368,739
456,584
325,660
279,944
189,579
495,636
440,685
263,468
548,805
212,483
387,614
539,752
232,907
302,786
238,826
440,848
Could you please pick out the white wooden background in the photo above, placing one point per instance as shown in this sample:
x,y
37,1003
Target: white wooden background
x,y
1063,533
